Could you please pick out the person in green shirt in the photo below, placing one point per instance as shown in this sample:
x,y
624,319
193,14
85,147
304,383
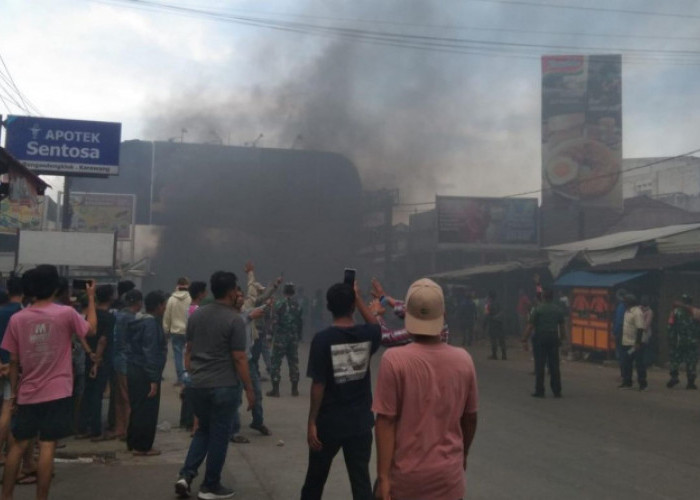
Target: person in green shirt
x,y
547,323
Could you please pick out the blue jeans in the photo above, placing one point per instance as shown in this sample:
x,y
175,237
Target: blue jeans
x,y
214,408
260,348
257,407
178,342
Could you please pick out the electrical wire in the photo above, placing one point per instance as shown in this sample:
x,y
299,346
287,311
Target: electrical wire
x,y
456,27
27,106
612,174
600,176
414,41
590,9
10,97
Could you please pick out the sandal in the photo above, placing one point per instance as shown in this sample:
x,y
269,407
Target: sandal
x,y
104,437
26,478
262,429
240,439
150,453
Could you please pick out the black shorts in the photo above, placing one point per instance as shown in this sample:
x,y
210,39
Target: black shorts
x,y
48,421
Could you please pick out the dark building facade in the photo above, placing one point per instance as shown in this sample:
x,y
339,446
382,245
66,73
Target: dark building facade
x,y
291,211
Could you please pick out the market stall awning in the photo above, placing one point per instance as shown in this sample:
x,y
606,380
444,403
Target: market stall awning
x,y
595,280
624,246
499,267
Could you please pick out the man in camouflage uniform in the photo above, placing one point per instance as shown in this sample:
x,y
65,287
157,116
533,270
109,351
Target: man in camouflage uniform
x,y
683,336
285,341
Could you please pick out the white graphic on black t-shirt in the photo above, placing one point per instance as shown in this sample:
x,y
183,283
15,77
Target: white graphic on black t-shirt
x,y
350,361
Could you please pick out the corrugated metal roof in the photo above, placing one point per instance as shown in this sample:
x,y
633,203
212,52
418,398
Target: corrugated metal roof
x,y
7,159
651,262
626,238
595,280
499,267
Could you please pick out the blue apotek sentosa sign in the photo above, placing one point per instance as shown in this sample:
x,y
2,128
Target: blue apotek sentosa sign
x,y
64,147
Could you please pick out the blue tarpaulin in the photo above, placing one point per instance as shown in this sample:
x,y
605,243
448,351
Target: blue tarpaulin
x,y
595,280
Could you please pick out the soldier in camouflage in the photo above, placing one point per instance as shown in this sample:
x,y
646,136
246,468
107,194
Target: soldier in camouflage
x,y
285,340
683,336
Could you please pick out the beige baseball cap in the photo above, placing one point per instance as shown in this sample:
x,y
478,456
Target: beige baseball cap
x,y
425,308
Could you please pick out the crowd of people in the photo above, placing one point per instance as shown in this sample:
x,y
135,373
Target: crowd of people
x,y
61,352
544,323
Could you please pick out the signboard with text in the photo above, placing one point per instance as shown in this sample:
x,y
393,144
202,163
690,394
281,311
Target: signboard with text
x,y
103,213
488,221
64,147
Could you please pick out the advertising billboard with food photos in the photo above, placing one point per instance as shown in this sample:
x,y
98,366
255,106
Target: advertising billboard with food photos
x,y
487,221
582,130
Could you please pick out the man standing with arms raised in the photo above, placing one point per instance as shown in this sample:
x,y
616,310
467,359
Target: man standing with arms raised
x,y
340,414
39,339
426,402
216,358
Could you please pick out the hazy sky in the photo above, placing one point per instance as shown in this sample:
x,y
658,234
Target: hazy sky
x,y
466,123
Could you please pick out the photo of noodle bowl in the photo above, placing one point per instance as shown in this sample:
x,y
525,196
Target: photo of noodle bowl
x,y
583,169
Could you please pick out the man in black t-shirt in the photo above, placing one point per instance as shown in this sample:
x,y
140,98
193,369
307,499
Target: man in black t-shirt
x,y
341,395
98,366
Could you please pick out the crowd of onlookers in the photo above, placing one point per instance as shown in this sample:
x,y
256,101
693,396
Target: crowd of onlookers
x,y
62,348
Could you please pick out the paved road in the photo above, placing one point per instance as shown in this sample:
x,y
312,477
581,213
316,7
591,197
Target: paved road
x,y
595,443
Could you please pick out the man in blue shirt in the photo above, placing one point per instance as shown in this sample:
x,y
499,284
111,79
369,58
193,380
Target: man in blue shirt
x,y
14,290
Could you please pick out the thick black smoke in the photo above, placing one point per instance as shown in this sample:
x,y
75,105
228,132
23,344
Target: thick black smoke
x,y
418,120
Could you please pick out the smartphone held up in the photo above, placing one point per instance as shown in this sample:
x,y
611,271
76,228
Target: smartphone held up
x,y
349,276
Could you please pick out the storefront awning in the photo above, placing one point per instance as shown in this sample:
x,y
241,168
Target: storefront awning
x,y
496,268
595,280
616,247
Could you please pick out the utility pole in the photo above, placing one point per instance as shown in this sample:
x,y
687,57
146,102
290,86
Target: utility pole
x,y
67,209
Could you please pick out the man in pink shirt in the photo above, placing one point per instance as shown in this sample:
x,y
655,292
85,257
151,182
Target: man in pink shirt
x,y
426,402
39,341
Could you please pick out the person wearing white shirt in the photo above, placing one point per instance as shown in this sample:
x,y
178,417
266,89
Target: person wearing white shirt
x,y
633,344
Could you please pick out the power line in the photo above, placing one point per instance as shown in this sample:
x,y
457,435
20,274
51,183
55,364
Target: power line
x,y
591,9
11,81
28,106
457,27
9,95
600,176
422,42
5,103
612,174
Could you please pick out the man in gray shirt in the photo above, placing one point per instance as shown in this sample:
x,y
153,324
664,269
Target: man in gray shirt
x,y
215,356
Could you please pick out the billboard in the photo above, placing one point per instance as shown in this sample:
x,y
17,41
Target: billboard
x,y
66,249
23,208
492,221
103,213
582,130
64,147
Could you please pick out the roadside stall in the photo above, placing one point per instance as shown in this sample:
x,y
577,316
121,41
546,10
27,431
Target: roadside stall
x,y
592,299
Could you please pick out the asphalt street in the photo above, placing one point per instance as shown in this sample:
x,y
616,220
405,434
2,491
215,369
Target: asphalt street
x,y
596,443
